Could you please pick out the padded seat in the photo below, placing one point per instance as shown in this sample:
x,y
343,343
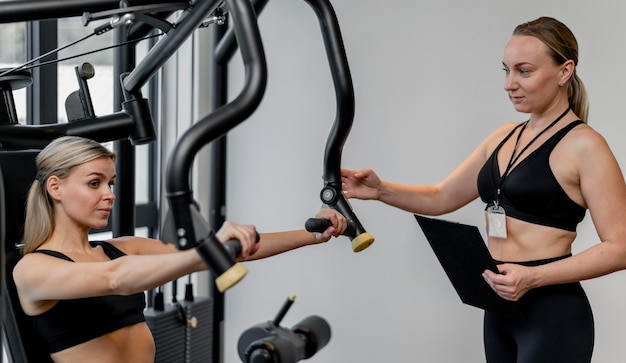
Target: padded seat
x,y
17,172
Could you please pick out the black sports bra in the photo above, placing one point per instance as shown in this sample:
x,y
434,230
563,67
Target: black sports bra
x,y
531,192
72,322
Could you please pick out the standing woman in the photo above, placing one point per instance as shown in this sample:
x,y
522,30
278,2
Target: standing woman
x,y
85,298
537,179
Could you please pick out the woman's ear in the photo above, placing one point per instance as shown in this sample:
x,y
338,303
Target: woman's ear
x,y
53,187
567,71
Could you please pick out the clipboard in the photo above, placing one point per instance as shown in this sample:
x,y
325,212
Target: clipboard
x,y
464,256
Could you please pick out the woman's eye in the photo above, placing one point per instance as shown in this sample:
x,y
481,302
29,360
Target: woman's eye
x,y
94,184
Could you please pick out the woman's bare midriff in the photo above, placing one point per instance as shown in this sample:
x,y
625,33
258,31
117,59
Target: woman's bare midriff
x,y
529,242
133,343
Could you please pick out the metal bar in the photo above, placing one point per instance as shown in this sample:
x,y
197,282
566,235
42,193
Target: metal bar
x,y
217,183
104,128
42,38
219,121
168,45
123,216
344,93
227,46
13,11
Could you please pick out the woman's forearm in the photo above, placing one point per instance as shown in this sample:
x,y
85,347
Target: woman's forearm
x,y
599,260
271,244
419,199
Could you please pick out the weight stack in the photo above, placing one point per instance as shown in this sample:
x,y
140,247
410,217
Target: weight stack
x,y
182,332
168,331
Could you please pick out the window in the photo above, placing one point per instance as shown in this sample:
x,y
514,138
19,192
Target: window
x,y
101,85
13,45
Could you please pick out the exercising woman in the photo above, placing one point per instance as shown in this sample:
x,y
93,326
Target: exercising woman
x,y
85,298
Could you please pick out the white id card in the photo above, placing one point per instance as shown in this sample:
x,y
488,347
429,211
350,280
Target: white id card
x,y
496,220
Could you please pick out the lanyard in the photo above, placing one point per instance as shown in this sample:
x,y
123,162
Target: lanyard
x,y
514,157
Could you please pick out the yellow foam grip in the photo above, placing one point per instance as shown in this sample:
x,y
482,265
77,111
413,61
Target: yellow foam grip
x,y
362,241
230,277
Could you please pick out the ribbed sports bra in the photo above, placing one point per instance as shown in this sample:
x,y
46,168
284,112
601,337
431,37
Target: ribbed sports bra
x,y
531,192
72,322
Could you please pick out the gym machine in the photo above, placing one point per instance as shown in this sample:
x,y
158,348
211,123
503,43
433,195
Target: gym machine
x,y
134,121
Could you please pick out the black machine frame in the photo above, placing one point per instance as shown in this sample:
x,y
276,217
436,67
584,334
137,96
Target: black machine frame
x,y
133,123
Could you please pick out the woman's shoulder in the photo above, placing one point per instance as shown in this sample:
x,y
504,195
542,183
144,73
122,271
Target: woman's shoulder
x,y
506,128
584,139
499,133
33,265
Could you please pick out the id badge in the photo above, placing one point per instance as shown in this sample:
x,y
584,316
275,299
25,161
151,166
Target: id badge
x,y
496,218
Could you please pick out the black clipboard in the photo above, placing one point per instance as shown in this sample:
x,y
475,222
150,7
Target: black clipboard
x,y
463,254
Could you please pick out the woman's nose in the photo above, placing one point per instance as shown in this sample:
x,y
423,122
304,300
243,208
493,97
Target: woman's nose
x,y
509,83
109,194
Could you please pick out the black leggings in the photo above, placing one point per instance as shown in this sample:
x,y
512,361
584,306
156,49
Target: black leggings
x,y
557,327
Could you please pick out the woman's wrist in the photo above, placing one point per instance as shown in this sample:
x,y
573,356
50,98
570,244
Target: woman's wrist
x,y
383,191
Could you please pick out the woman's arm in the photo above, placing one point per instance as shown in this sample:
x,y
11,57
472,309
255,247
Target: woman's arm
x,y
271,244
40,278
456,190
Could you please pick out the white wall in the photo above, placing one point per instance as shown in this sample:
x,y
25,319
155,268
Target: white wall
x,y
428,84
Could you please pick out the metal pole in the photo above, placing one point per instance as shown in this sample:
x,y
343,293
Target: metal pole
x,y
123,216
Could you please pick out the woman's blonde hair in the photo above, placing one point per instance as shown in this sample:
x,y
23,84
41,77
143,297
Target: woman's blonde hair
x,y
58,159
563,47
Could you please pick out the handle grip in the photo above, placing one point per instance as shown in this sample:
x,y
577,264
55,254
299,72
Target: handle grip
x,y
360,241
221,260
233,246
320,225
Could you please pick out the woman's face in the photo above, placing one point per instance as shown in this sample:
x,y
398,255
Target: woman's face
x,y
86,195
532,78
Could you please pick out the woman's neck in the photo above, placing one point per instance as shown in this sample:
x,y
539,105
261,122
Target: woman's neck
x,y
542,120
68,239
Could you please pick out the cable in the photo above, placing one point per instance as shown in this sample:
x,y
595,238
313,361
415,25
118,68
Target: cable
x,y
23,66
26,67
